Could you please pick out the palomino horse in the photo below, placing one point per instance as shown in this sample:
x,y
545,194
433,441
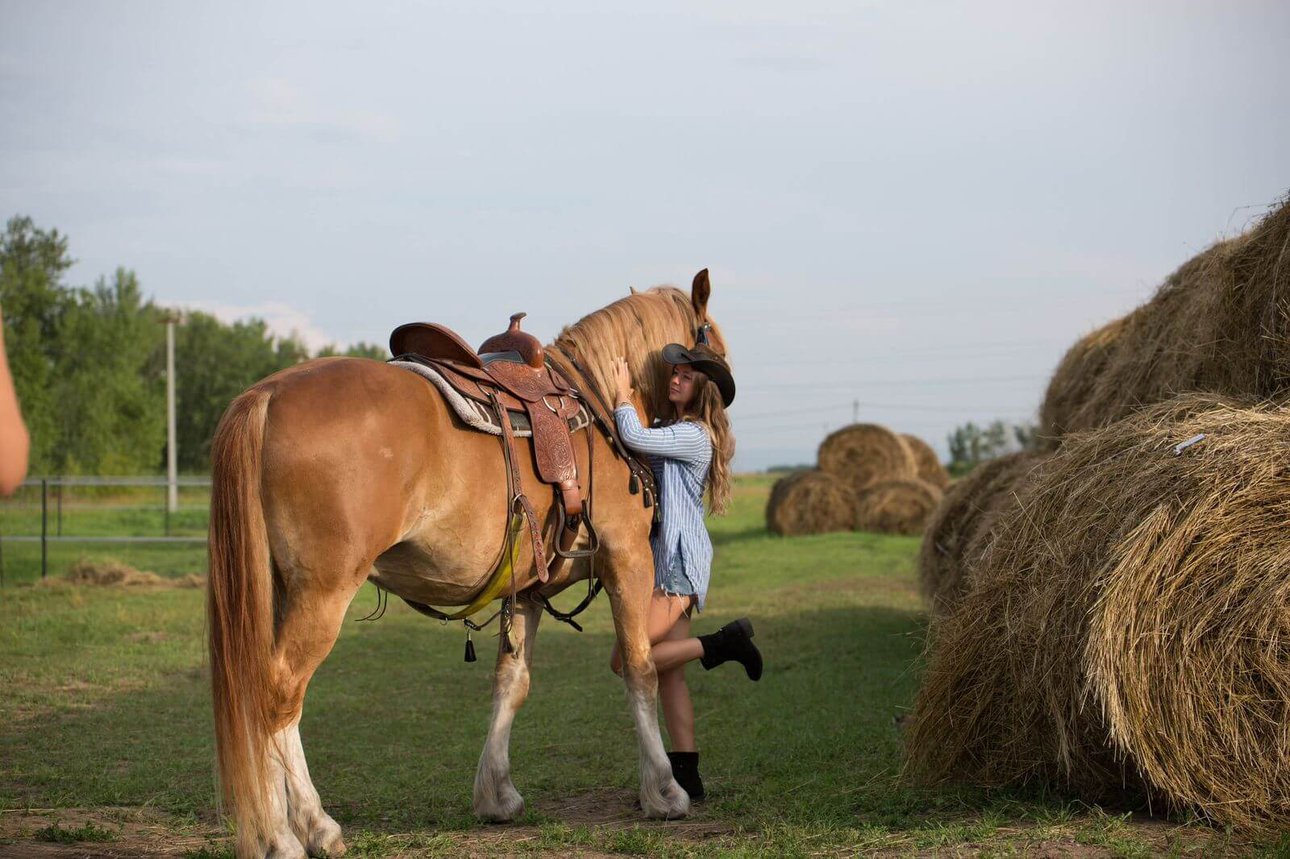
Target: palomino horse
x,y
342,470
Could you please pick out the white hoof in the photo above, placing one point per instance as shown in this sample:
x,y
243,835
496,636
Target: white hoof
x,y
325,840
502,804
670,803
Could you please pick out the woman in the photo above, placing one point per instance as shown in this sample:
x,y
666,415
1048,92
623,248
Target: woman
x,y
689,452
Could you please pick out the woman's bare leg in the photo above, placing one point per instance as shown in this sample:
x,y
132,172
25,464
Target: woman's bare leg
x,y
678,710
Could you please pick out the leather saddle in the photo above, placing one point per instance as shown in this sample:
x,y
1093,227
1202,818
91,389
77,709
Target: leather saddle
x,y
509,373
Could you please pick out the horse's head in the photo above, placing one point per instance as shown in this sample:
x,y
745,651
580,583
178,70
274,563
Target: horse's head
x,y
638,327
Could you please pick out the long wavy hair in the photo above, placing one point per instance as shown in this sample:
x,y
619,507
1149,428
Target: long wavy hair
x,y
707,410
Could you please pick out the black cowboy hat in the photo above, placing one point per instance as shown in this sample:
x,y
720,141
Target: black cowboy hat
x,y
707,362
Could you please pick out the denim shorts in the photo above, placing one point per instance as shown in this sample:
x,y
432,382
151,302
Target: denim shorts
x,y
673,581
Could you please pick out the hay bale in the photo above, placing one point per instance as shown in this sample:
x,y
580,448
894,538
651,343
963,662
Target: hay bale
x,y
957,528
927,462
896,506
109,573
865,454
1220,323
1070,389
1125,634
810,502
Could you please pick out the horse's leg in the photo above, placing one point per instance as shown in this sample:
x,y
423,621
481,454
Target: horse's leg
x,y
309,627
496,798
629,587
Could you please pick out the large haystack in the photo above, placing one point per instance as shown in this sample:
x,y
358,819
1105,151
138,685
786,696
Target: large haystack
x,y
1221,323
1070,389
1126,629
810,502
928,463
865,454
959,525
896,506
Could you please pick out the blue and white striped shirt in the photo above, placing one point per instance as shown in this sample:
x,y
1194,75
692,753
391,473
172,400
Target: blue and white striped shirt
x,y
679,455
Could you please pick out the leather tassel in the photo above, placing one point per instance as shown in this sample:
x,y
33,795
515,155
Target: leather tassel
x,y
634,485
470,649
649,499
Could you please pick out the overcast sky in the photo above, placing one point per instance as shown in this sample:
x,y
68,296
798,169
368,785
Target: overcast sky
x,y
918,206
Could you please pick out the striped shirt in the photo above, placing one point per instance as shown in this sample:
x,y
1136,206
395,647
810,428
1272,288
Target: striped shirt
x,y
679,455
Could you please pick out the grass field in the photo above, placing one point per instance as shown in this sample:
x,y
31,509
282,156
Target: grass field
x,y
105,736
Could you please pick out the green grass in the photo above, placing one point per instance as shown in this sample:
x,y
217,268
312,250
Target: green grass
x,y
106,705
86,832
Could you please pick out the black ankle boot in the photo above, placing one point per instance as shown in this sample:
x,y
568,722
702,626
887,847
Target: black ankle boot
x,y
732,642
685,769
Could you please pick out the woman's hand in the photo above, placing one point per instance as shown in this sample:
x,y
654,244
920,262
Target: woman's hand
x,y
622,382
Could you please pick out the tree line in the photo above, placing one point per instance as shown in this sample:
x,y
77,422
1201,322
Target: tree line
x,y
89,363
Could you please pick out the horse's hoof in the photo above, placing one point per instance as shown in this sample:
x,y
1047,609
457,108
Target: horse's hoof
x,y
508,805
672,803
328,844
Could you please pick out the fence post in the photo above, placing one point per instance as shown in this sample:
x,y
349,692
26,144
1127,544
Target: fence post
x,y
59,493
44,527
165,507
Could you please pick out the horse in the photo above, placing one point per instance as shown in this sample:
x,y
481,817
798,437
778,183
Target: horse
x,y
341,470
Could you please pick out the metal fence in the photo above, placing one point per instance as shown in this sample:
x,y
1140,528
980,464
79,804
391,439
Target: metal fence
x,y
52,491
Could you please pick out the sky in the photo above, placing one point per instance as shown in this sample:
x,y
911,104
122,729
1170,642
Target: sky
x,y
909,210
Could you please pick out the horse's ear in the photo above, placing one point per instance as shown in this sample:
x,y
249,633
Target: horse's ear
x,y
699,293
631,290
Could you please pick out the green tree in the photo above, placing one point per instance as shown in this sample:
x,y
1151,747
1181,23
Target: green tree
x,y
214,363
32,265
357,350
971,445
110,381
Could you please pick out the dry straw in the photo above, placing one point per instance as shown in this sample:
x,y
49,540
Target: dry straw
x,y
928,463
896,506
956,531
810,502
1220,323
865,454
1128,626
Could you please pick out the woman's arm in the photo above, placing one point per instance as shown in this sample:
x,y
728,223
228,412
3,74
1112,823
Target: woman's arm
x,y
685,441
14,441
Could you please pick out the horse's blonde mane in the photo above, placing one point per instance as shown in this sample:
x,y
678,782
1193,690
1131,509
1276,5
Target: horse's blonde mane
x,y
637,327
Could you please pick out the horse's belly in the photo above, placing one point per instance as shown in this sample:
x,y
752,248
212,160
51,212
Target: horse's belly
x,y
411,571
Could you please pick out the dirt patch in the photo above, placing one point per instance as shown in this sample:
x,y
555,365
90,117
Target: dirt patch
x,y
102,832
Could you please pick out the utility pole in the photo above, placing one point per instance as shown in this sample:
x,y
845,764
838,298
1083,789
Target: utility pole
x,y
855,412
172,454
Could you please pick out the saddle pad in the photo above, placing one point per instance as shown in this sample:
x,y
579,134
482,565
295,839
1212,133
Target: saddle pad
x,y
479,416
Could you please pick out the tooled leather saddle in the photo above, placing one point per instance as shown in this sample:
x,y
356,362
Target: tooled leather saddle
x,y
510,373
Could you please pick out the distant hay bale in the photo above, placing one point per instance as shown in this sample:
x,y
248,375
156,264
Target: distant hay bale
x,y
1220,323
927,462
960,523
1125,634
865,454
810,502
896,506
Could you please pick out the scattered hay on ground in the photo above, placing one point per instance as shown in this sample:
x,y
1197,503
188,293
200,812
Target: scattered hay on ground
x,y
927,462
961,520
1125,633
865,454
1220,323
114,573
896,506
810,502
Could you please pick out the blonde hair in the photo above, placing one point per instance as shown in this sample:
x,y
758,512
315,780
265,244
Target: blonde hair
x,y
709,411
637,327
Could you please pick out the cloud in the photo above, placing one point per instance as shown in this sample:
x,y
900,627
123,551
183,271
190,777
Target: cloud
x,y
280,103
283,320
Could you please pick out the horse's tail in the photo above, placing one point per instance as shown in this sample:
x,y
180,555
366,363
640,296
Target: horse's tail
x,y
239,616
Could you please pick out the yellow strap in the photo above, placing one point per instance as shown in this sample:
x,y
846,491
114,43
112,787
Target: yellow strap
x,y
501,579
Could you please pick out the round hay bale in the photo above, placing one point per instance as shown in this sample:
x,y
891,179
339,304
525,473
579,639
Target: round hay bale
x,y
865,454
927,462
1220,323
961,521
896,506
1070,388
810,502
1125,633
